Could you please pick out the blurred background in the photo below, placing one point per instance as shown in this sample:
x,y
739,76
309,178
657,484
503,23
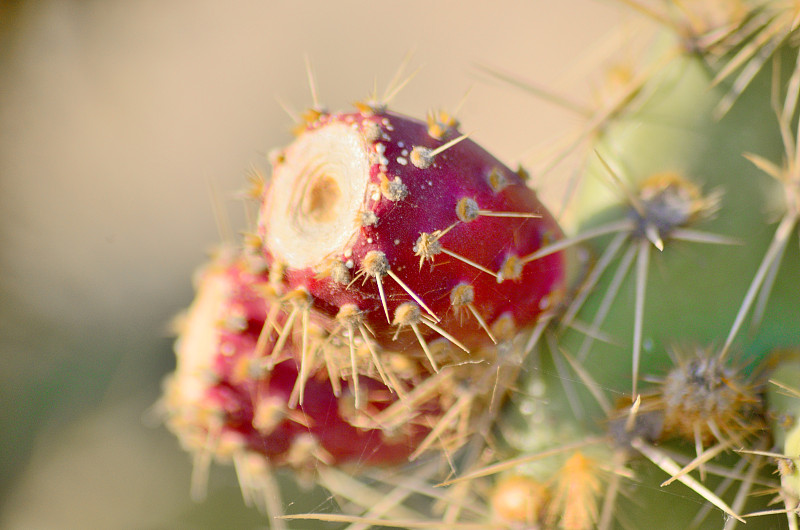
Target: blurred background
x,y
127,129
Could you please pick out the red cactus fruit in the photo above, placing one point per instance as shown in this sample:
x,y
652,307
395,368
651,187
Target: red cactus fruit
x,y
419,229
230,396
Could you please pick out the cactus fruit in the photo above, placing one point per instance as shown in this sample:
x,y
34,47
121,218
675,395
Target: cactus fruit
x,y
404,259
231,399
331,339
417,228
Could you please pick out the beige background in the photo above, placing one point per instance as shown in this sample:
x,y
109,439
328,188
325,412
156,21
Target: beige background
x,y
119,120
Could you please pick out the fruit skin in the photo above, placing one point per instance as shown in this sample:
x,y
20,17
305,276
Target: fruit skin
x,y
387,214
227,397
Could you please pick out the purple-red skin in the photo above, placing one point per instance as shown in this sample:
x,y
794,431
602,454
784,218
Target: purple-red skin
x,y
460,171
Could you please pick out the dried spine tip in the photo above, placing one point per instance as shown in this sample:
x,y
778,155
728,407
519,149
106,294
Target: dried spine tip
x,y
467,209
421,157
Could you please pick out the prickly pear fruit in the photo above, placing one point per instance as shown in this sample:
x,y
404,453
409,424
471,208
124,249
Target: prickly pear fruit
x,y
230,398
417,229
